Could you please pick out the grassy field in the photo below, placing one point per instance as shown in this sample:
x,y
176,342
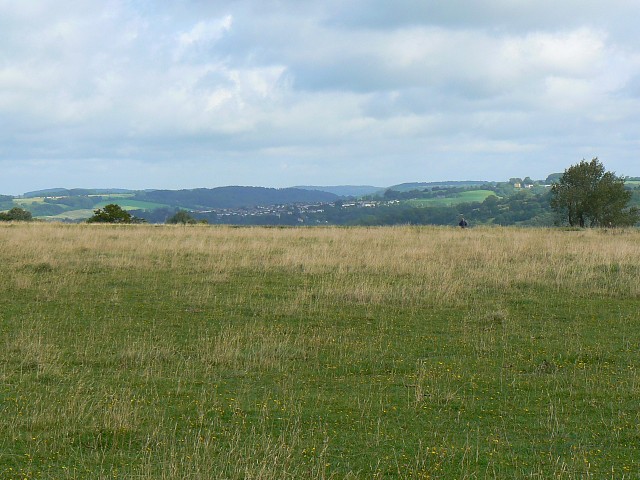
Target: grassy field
x,y
463,197
160,352
80,214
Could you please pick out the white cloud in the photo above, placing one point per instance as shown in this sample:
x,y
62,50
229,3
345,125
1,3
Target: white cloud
x,y
317,87
202,35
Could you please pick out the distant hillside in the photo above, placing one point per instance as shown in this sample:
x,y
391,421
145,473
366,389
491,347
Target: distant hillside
x,y
74,192
405,187
234,197
345,190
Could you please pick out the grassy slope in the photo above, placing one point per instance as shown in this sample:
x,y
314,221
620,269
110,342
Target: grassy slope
x,y
463,197
80,214
161,352
26,202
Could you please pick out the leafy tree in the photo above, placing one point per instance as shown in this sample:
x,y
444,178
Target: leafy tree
x,y
183,217
587,195
111,213
553,178
16,214
491,201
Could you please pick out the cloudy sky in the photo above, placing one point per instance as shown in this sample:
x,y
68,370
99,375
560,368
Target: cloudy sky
x,y
203,93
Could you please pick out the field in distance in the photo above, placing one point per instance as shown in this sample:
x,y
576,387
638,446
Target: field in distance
x,y
462,197
160,352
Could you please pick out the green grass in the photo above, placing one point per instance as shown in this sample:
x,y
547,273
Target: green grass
x,y
128,204
204,352
80,214
463,197
26,202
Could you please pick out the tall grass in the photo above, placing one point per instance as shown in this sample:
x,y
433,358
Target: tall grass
x,y
408,352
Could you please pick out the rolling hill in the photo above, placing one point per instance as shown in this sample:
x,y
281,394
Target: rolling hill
x,y
234,197
346,190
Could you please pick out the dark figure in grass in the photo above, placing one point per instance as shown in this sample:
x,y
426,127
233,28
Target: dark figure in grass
x,y
463,223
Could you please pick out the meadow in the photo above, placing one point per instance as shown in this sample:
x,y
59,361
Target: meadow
x,y
462,197
170,352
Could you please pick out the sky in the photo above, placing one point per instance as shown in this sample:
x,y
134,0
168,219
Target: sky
x,y
204,93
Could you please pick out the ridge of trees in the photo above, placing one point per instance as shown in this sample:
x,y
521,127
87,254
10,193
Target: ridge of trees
x,y
16,214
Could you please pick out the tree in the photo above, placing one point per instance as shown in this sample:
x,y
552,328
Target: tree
x,y
181,216
588,196
111,213
552,178
16,214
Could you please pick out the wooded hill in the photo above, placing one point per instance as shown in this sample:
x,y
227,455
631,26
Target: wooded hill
x,y
234,197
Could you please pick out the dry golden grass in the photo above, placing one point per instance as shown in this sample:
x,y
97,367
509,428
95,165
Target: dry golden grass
x,y
364,265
